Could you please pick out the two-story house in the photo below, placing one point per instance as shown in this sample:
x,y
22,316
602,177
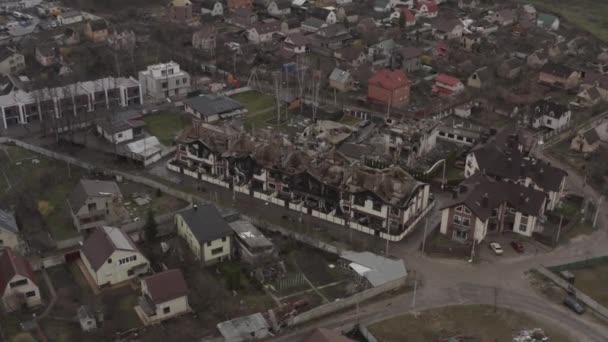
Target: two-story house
x,y
11,61
262,32
9,232
17,282
559,76
352,55
446,85
111,257
96,31
122,126
164,295
480,206
297,43
550,114
206,233
252,247
503,158
391,88
95,203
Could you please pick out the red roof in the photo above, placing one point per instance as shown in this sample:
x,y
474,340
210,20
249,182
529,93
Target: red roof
x,y
166,286
447,79
430,5
12,264
408,15
390,80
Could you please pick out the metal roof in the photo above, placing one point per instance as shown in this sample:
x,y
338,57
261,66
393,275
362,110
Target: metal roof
x,y
208,105
244,328
377,269
249,234
8,222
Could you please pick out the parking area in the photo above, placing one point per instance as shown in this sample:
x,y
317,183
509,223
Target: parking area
x,y
530,246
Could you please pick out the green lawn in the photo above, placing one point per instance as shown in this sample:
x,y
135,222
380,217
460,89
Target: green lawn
x,y
60,330
590,15
478,321
166,125
490,119
261,108
349,120
592,281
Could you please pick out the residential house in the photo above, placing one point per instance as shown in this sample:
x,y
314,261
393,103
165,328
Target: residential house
x,y
262,32
122,40
164,80
9,232
504,159
211,108
297,43
121,126
408,17
537,59
96,31
242,17
352,55
472,42
252,247
383,6
312,25
239,4
389,88
205,38
559,76
11,61
468,4
164,295
447,29
529,12
481,78
410,58
485,27
586,141
326,14
46,55
331,37
547,21
549,114
69,17
111,257
95,203
366,25
214,8
71,36
427,9
481,206
446,85
179,10
505,17
341,80
206,233
279,8
510,69
17,281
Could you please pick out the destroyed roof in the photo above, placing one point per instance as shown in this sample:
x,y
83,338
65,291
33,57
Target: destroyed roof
x,y
206,31
550,108
481,195
206,223
393,184
217,138
8,222
277,156
91,188
591,136
244,328
250,235
12,264
165,286
377,269
103,242
98,25
349,53
283,4
6,52
355,151
121,121
209,105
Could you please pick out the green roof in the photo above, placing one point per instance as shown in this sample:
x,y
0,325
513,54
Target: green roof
x,y
547,19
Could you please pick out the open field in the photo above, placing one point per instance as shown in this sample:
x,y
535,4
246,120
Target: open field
x,y
490,119
589,15
166,125
261,108
479,321
592,281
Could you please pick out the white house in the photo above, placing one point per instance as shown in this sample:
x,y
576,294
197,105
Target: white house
x,y
70,17
17,282
121,127
9,232
214,8
279,7
263,32
164,295
206,233
95,203
550,114
111,257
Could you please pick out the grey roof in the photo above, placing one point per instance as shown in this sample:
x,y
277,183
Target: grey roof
x,y
380,270
103,242
8,222
244,328
250,235
355,151
313,22
121,121
206,223
591,136
91,188
207,105
339,75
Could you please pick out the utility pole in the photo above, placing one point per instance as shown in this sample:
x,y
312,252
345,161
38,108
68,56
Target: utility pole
x,y
495,299
277,95
414,297
597,210
443,177
426,222
559,229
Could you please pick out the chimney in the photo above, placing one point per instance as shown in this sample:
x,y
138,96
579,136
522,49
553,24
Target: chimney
x,y
195,207
521,197
485,202
454,194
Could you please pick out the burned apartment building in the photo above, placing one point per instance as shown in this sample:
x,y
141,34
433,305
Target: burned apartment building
x,y
385,202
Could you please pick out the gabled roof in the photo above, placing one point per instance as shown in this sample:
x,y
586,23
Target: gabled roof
x,y
91,188
267,27
314,22
484,74
378,270
388,79
103,242
298,39
549,108
410,52
447,79
446,24
555,69
408,15
165,286
431,5
8,222
206,223
208,105
339,75
12,264
591,136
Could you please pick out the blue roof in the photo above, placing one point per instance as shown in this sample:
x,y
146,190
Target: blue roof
x,y
8,222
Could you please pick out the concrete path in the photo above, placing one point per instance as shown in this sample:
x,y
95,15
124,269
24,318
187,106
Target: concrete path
x,y
53,293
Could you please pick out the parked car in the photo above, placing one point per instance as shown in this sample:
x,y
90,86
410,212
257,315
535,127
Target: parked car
x,y
496,248
574,304
517,246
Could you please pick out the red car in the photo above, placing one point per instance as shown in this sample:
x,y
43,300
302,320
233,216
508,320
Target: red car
x,y
517,246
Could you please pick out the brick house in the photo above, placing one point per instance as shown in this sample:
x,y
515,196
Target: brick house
x,y
389,88
481,206
236,4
